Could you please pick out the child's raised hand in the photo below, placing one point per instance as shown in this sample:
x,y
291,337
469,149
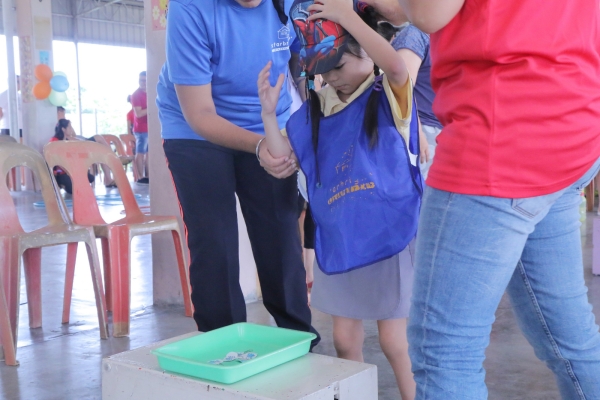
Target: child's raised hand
x,y
269,95
333,10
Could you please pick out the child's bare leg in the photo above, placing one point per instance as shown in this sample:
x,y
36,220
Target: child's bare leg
x,y
107,175
393,341
309,261
348,338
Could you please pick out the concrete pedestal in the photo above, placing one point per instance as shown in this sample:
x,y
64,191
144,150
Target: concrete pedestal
x,y
136,375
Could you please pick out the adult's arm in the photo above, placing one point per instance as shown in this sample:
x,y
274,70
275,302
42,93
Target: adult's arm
x,y
200,113
140,112
413,63
431,15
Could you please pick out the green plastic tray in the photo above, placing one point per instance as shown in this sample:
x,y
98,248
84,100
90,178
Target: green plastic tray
x,y
273,346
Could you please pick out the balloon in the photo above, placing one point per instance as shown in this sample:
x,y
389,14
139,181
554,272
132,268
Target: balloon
x,y
59,83
57,98
43,73
60,73
41,90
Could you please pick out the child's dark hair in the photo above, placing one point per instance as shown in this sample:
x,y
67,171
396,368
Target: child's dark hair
x,y
387,31
58,130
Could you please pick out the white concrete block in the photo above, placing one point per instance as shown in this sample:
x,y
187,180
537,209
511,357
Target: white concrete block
x,y
136,374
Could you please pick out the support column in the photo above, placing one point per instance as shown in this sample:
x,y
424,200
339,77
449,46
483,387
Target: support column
x,y
163,200
8,18
34,27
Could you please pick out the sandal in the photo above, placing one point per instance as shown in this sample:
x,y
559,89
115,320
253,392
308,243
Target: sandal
x,y
111,185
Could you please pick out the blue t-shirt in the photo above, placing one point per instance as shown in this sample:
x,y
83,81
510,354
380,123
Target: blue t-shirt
x,y
224,44
413,39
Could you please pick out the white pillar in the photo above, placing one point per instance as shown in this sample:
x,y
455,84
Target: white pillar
x,y
34,26
8,19
163,200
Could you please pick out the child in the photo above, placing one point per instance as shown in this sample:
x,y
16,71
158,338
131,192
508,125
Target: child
x,y
357,144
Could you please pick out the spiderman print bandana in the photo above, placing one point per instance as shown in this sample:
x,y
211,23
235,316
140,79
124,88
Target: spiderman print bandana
x,y
323,42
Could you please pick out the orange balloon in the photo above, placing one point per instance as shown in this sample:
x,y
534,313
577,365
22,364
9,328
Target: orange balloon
x,y
43,73
42,90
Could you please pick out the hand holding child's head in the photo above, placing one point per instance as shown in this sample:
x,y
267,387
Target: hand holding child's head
x,y
332,10
269,95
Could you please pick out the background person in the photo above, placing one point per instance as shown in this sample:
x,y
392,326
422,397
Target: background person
x,y
413,46
130,118
64,131
140,129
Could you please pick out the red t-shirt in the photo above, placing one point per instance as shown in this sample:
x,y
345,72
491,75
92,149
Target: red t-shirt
x,y
130,118
518,91
139,99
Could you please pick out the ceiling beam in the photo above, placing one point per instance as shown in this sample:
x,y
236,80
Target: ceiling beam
x,y
108,3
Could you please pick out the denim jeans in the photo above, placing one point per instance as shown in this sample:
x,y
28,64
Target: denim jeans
x,y
470,249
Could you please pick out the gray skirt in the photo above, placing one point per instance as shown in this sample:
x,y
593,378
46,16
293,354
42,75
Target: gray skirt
x,y
376,292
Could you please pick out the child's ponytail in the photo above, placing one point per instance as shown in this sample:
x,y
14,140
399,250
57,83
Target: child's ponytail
x,y
371,120
314,111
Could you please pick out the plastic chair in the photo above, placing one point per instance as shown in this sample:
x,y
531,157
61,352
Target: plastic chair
x,y
113,140
15,242
129,143
11,179
75,158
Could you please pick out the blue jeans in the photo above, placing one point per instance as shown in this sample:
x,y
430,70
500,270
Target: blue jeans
x,y
141,142
470,249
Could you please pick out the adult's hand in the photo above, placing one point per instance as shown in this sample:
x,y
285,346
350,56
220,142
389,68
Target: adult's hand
x,y
281,167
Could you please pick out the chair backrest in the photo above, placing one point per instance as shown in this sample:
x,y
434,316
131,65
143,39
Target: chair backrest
x,y
115,141
16,155
76,158
129,142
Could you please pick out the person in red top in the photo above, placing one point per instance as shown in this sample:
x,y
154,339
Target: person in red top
x,y
517,87
130,118
140,128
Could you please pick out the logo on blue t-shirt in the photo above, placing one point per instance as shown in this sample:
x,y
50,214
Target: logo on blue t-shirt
x,y
284,33
284,39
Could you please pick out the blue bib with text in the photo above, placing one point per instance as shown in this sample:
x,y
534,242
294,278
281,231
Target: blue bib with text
x,y
365,201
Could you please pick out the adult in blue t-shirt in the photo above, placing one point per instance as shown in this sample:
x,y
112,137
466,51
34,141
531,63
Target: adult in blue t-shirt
x,y
413,45
211,125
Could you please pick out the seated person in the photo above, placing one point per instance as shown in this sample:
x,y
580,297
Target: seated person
x,y
64,131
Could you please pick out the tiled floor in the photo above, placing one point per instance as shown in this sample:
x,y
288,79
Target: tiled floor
x,y
64,361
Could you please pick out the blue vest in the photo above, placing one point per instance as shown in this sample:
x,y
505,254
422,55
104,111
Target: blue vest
x,y
365,202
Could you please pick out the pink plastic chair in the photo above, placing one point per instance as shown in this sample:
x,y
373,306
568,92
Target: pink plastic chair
x,y
129,143
120,151
15,242
11,179
75,158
